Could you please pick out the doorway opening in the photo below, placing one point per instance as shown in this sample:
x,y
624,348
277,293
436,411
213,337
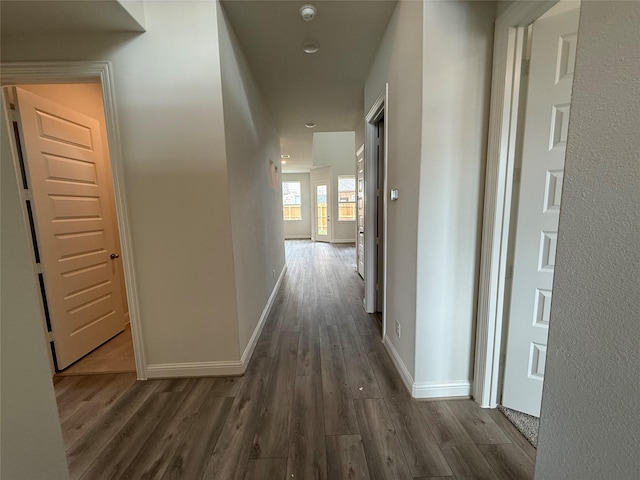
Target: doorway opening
x,y
84,294
375,208
60,132
322,209
529,119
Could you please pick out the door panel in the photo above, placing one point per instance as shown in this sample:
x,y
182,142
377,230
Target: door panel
x,y
64,158
543,151
322,212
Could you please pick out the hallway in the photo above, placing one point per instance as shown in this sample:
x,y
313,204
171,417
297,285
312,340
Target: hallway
x,y
320,399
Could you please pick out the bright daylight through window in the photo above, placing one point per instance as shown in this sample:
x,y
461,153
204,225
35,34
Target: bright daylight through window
x,y
346,198
291,201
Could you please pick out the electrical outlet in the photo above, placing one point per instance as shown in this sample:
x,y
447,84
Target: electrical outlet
x,y
398,329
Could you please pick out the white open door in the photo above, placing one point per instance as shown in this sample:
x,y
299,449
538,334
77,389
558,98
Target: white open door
x,y
322,204
543,150
63,152
360,222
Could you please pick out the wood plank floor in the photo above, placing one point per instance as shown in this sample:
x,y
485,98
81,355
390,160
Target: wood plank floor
x,y
320,400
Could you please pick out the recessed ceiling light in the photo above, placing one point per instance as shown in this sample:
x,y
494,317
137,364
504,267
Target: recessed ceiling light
x,y
310,47
283,161
285,156
308,12
310,125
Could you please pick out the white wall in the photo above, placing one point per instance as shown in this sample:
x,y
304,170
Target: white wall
x,y
455,102
399,62
437,117
169,100
337,149
256,206
30,437
300,228
590,417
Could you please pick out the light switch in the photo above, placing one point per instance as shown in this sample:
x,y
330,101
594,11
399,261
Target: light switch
x,y
394,194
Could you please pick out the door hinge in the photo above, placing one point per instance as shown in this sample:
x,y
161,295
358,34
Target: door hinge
x,y
517,174
509,272
526,67
50,336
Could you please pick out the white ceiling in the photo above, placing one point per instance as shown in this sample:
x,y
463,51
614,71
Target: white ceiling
x,y
21,17
325,88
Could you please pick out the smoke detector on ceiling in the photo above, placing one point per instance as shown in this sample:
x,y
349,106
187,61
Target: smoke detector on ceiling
x,y
308,12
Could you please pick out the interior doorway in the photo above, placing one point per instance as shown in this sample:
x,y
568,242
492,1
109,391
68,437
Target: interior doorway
x,y
99,73
63,158
375,208
550,59
535,48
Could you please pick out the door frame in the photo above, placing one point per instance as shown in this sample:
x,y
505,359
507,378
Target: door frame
x,y
509,42
315,210
378,110
16,73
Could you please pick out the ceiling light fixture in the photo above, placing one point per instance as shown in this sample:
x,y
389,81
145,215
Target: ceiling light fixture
x,y
285,156
283,161
308,12
310,47
310,125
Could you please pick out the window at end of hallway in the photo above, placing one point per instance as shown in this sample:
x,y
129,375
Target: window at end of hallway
x,y
291,201
346,198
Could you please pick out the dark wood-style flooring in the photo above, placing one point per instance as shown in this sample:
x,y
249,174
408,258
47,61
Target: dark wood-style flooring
x,y
320,400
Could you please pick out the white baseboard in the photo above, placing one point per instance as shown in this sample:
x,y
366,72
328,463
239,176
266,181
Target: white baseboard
x,y
344,241
195,369
455,388
461,388
221,368
297,237
399,364
248,351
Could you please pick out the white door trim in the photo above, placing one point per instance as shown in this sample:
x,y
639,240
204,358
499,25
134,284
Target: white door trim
x,y
15,73
378,109
505,86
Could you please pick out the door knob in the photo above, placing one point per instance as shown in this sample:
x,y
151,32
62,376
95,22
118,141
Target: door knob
x,y
114,256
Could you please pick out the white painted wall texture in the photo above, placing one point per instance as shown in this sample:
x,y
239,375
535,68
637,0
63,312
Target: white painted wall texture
x,y
300,228
30,437
399,62
590,416
256,206
436,57
456,83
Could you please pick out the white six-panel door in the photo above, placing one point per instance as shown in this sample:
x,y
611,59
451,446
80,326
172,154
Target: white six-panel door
x,y
543,151
68,183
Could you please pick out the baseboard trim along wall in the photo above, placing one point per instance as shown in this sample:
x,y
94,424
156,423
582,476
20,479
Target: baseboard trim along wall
x,y
344,241
297,237
248,351
222,368
196,369
456,388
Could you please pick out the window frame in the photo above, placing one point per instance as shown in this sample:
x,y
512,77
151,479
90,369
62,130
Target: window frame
x,y
289,205
354,203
